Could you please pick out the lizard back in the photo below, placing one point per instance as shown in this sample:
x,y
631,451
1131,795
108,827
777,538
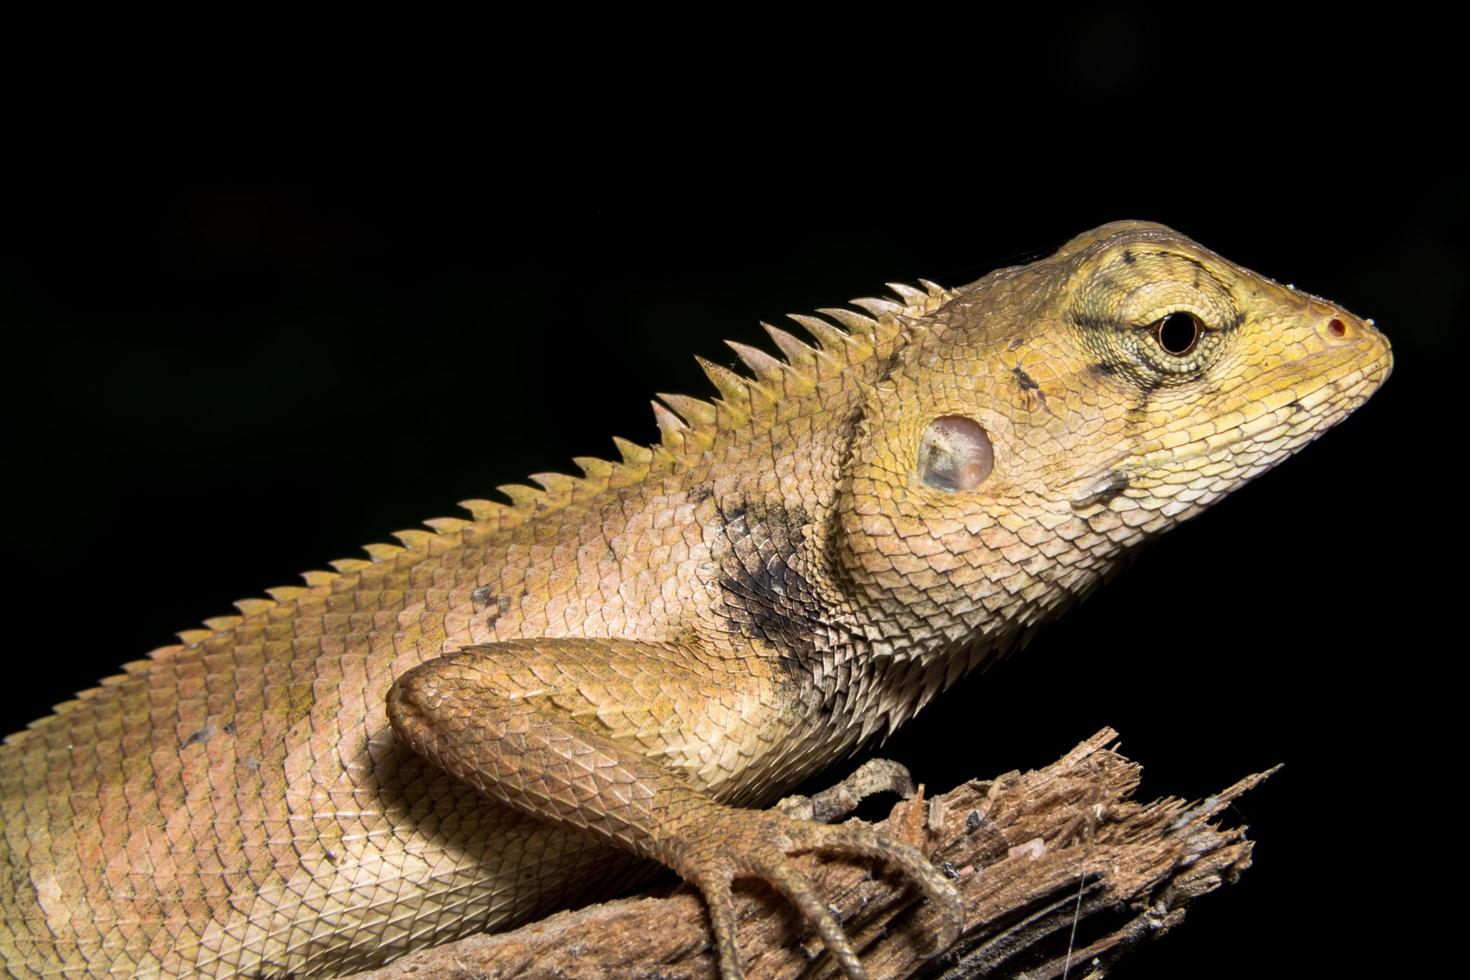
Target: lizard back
x,y
826,545
238,804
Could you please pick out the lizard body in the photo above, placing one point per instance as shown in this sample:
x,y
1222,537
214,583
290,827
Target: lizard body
x,y
628,657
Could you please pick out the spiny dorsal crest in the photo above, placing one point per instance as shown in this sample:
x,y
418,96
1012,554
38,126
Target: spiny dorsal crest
x,y
687,426
843,338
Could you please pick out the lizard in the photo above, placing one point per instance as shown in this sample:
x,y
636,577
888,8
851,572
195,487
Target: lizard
x,y
510,712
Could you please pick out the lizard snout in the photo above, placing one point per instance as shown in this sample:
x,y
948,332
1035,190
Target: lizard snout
x,y
1340,329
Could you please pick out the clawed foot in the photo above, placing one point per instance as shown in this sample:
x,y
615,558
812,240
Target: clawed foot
x,y
726,844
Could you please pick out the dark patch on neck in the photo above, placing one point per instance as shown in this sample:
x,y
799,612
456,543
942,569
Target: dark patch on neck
x,y
1128,258
766,575
1102,369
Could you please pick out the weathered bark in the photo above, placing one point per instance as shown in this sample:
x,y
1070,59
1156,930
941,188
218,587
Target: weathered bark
x,y
1060,870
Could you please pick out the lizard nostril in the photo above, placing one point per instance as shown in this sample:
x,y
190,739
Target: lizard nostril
x,y
1338,330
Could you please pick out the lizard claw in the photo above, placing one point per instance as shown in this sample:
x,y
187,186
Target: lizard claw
x,y
727,844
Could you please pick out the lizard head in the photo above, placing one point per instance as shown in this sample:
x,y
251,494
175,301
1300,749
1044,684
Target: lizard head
x,y
1050,416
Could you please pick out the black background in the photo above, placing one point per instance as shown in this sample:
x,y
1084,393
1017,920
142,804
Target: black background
x,y
268,300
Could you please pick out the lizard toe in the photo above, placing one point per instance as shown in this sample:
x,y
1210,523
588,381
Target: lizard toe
x,y
799,892
859,839
720,902
728,843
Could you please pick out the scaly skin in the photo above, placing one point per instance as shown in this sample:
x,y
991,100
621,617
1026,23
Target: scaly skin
x,y
640,653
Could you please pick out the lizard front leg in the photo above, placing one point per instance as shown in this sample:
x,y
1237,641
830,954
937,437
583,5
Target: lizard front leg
x,y
619,740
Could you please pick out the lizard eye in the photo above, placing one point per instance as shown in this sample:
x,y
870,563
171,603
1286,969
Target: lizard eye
x,y
955,454
1177,333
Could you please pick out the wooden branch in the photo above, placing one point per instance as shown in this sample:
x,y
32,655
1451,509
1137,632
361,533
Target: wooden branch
x,y
1060,870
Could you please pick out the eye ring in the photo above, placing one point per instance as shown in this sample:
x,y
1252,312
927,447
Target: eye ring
x,y
1178,334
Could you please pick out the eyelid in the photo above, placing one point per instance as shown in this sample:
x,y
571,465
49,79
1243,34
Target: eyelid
x,y
1164,312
